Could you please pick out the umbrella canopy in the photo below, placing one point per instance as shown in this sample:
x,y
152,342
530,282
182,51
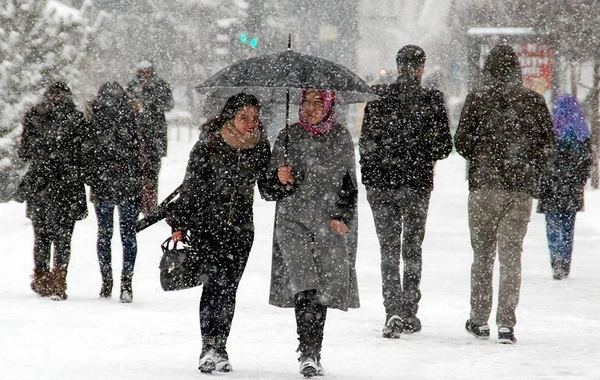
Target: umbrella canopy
x,y
271,77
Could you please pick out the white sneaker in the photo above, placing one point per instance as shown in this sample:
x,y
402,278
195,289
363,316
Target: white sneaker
x,y
222,363
309,367
207,363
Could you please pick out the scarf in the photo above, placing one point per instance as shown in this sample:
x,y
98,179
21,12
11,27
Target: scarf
x,y
327,123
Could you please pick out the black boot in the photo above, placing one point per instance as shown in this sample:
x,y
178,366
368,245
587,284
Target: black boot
x,y
558,271
126,290
310,323
107,285
107,281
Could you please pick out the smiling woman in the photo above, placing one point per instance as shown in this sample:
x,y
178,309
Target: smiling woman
x,y
314,247
215,208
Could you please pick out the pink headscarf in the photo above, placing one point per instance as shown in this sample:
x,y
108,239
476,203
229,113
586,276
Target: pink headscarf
x,y
327,123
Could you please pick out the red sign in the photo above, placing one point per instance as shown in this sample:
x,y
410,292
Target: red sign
x,y
536,62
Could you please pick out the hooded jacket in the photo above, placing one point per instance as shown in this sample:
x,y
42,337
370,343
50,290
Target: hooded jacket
x,y
51,143
505,130
112,149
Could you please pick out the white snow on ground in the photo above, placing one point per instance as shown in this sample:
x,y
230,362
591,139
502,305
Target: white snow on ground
x,y
157,336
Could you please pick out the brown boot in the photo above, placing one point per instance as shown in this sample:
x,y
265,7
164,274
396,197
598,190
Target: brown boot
x,y
42,282
59,284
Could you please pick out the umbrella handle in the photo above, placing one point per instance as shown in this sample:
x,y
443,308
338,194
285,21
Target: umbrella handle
x,y
287,125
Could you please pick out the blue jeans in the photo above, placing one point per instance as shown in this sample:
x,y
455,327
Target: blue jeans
x,y
128,213
560,229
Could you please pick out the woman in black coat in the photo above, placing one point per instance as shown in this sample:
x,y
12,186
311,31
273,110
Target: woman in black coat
x,y
53,185
114,174
561,190
215,209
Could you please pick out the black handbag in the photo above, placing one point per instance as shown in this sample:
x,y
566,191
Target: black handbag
x,y
181,267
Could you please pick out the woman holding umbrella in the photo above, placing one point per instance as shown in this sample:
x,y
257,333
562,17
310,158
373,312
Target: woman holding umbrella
x,y
314,245
215,209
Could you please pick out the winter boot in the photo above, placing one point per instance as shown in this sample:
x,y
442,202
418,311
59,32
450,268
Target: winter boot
x,y
107,285
208,356
59,284
411,325
558,270
222,363
393,327
126,290
41,282
310,323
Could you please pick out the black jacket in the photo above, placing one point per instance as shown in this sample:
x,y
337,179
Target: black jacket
x,y
403,134
218,190
564,179
155,100
51,143
112,150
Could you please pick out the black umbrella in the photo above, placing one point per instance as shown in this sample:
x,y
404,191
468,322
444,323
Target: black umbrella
x,y
281,77
271,77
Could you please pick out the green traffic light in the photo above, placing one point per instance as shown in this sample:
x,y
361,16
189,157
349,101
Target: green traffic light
x,y
243,38
254,43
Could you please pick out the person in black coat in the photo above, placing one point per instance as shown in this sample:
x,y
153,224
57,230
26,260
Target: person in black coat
x,y
114,174
53,186
215,209
403,134
152,97
563,182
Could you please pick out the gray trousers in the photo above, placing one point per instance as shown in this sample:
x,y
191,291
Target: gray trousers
x,y
400,216
498,221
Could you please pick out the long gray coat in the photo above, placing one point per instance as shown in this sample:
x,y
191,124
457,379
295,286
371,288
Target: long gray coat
x,y
307,254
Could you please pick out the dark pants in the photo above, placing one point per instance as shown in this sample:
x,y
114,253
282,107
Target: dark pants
x,y
560,230
400,216
46,234
310,323
128,213
228,251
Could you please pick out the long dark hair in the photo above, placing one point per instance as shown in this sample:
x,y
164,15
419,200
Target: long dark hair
x,y
232,106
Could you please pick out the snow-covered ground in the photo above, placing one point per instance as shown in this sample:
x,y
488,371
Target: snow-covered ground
x,y
157,336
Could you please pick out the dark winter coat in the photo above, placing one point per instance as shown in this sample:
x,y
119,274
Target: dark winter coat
x,y
112,149
505,133
51,143
404,133
218,190
563,181
326,188
154,100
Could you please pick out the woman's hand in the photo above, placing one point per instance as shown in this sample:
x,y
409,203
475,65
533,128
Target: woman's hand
x,y
286,176
177,236
338,226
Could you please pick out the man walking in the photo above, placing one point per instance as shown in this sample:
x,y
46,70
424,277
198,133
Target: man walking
x,y
505,133
151,98
403,134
